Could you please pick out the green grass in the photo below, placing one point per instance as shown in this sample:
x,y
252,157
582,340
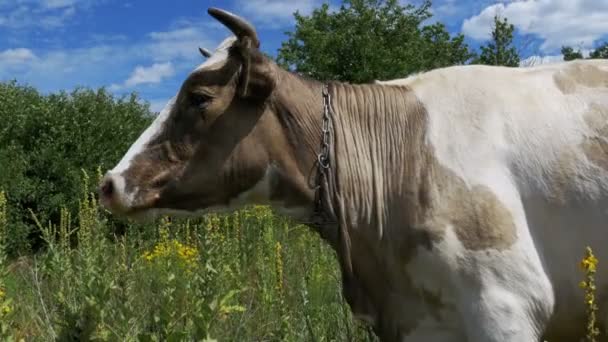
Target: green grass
x,y
249,276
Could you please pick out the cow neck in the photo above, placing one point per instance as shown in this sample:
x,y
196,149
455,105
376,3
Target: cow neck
x,y
328,206
305,110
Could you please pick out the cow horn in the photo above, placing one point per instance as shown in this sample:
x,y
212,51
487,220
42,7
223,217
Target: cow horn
x,y
206,53
239,26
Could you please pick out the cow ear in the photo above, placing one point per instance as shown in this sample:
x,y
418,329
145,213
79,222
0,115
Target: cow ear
x,y
256,78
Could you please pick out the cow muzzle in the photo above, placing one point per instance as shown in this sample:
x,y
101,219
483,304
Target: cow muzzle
x,y
114,197
111,196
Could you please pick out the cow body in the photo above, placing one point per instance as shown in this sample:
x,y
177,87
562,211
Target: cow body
x,y
536,138
467,194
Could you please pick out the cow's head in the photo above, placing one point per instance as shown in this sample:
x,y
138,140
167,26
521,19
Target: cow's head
x,y
218,144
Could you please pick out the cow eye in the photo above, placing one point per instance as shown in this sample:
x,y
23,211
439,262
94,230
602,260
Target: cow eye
x,y
199,100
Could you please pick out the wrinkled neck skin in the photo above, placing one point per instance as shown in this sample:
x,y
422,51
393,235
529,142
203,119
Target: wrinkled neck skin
x,y
296,107
379,182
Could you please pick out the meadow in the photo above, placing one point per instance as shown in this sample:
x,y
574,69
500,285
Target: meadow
x,y
248,276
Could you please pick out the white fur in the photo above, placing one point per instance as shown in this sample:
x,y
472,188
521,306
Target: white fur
x,y
116,174
219,56
506,128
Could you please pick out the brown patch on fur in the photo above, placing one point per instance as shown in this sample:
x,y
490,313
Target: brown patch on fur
x,y
481,221
562,173
596,146
580,74
479,218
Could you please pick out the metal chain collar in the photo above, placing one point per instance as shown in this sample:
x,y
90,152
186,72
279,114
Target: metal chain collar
x,y
323,209
323,156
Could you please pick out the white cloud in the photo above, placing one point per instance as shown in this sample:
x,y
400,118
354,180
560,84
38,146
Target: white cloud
x,y
275,12
60,69
179,43
152,74
556,22
16,56
46,14
58,3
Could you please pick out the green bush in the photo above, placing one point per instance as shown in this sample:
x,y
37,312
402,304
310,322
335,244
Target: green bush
x,y
45,142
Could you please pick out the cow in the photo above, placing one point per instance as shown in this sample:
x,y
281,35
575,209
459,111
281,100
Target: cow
x,y
459,201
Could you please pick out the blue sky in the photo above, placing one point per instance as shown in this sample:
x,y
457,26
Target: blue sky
x,y
150,46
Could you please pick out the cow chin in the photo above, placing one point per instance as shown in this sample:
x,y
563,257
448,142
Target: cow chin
x,y
138,214
151,214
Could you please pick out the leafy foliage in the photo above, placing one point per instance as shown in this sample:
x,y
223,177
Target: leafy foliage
x,y
569,53
601,52
367,40
45,141
500,49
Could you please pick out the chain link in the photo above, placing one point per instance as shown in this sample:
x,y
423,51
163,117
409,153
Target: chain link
x,y
320,217
323,156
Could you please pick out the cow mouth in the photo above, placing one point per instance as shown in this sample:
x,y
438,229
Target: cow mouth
x,y
182,207
137,210
136,213
146,204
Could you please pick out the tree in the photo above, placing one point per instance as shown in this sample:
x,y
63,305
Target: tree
x,y
600,52
45,142
569,53
500,50
366,40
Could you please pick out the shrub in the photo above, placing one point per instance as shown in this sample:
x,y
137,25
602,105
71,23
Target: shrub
x,y
45,141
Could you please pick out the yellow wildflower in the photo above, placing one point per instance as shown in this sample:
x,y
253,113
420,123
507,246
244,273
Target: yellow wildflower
x,y
589,263
6,309
184,253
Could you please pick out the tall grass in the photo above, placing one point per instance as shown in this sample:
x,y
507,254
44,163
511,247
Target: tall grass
x,y
249,276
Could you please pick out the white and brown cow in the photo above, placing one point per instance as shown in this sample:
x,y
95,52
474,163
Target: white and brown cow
x,y
465,195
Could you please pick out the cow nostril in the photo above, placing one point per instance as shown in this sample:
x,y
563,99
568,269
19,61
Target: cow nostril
x,y
107,188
